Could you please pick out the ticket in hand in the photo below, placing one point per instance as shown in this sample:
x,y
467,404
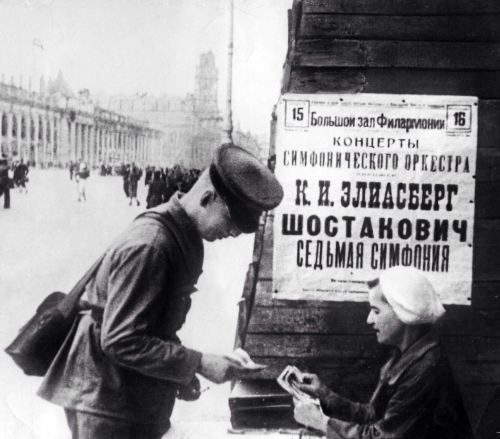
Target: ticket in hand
x,y
289,378
243,360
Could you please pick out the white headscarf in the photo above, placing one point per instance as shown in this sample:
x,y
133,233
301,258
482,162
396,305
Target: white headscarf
x,y
411,295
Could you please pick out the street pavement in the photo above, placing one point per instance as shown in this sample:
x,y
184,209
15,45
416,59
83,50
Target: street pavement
x,y
48,240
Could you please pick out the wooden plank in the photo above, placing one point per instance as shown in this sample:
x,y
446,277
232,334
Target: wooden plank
x,y
475,348
484,84
245,306
488,126
323,346
350,318
342,375
478,372
307,316
473,28
488,165
401,54
487,201
486,296
400,7
475,398
336,319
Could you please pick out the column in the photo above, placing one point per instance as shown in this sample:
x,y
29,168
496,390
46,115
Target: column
x,y
28,137
43,131
18,134
50,145
143,145
1,135
59,151
91,145
72,140
111,135
111,145
78,141
62,152
35,141
9,134
85,139
107,144
98,146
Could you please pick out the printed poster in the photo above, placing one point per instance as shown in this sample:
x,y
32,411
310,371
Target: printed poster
x,y
372,181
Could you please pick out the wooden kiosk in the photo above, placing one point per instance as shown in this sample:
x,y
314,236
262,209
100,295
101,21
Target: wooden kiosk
x,y
423,47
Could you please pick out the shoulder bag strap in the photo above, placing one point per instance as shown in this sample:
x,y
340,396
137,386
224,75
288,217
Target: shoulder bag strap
x,y
68,304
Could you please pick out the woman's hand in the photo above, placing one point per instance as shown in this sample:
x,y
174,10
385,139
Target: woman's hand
x,y
310,415
312,385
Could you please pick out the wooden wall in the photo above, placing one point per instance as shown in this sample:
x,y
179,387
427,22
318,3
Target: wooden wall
x,y
377,46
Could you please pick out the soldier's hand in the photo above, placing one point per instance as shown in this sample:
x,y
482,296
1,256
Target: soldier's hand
x,y
216,368
190,392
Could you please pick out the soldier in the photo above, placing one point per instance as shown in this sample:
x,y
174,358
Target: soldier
x,y
118,375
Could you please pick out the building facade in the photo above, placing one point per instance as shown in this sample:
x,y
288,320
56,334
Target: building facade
x,y
192,125
53,127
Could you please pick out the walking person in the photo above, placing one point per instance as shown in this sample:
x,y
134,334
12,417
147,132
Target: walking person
x,y
134,177
156,190
119,373
21,176
5,181
125,171
81,177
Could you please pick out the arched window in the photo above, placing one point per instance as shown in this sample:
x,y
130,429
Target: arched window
x,y
49,130
23,127
32,129
40,128
4,124
14,125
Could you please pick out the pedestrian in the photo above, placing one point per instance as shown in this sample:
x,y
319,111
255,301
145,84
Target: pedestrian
x,y
21,176
125,171
170,185
5,181
416,397
81,177
156,190
134,177
71,169
148,177
117,375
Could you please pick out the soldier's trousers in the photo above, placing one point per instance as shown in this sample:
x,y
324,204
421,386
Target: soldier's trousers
x,y
90,426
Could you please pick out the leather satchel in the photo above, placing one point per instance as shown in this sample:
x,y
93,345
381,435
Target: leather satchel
x,y
39,340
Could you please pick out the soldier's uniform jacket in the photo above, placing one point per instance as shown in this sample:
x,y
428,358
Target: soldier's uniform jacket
x,y
123,359
416,398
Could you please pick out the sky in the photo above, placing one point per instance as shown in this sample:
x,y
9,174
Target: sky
x,y
149,46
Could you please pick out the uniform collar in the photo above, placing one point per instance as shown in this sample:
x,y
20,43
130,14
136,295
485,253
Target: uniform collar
x,y
410,356
186,232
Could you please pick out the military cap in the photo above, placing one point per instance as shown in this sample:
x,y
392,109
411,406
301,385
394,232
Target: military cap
x,y
246,185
